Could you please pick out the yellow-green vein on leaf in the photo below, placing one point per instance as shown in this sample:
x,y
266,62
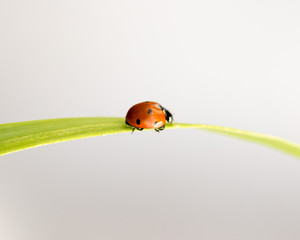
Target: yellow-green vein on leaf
x,y
22,135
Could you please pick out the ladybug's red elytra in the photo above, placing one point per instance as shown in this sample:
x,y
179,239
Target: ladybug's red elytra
x,y
149,115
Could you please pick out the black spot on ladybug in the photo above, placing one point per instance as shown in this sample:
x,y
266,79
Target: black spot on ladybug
x,y
138,121
161,108
155,123
146,101
149,111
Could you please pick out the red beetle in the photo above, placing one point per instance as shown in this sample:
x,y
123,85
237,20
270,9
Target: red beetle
x,y
148,115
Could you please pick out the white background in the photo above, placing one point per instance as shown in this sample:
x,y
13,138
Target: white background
x,y
228,63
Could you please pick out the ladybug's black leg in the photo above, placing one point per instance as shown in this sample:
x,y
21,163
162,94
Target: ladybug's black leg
x,y
140,129
160,129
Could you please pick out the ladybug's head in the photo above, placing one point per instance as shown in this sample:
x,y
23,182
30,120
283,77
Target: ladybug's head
x,y
169,116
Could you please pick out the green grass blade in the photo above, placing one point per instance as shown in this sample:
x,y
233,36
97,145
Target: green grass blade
x,y
271,141
22,135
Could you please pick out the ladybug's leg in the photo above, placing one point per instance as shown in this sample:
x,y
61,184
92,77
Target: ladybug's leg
x,y
159,129
133,128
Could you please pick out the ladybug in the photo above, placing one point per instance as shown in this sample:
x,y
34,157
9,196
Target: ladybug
x,y
149,115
